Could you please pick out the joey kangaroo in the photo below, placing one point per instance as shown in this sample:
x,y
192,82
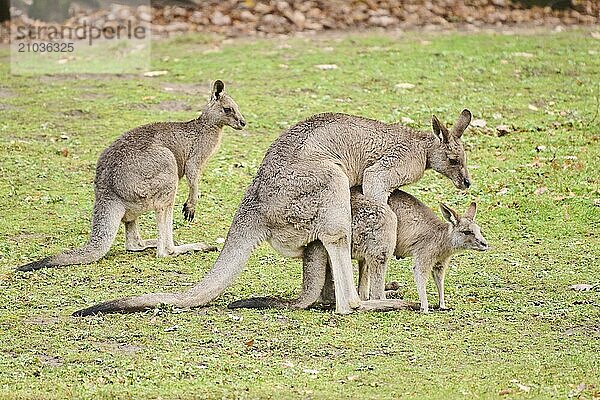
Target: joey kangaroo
x,y
140,172
301,193
419,233
431,242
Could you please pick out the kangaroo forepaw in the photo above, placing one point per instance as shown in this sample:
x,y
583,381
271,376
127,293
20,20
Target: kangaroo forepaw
x,y
188,212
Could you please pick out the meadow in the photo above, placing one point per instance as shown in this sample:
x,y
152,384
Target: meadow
x,y
515,329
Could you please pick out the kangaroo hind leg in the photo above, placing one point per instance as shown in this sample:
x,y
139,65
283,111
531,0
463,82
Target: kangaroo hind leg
x,y
133,240
314,266
165,245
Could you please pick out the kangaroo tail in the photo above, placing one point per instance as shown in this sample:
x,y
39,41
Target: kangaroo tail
x,y
105,225
245,234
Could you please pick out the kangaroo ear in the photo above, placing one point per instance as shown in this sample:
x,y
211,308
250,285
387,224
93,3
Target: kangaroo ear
x,y
218,87
463,122
440,130
471,212
449,214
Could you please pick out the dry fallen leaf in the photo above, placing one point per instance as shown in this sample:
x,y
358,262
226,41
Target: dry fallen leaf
x,y
504,392
532,107
404,85
310,371
234,317
249,343
577,391
479,123
540,190
523,54
582,287
537,162
522,387
406,120
502,130
326,67
503,191
151,74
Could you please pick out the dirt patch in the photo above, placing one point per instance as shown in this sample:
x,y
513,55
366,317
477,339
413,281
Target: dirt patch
x,y
6,93
51,361
79,113
123,348
138,106
23,237
92,96
593,330
4,107
71,77
41,321
173,105
186,88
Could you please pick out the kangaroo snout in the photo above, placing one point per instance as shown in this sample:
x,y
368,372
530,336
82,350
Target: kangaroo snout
x,y
462,183
241,123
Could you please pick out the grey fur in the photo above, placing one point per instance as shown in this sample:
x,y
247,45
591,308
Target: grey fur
x,y
431,241
140,172
301,193
419,233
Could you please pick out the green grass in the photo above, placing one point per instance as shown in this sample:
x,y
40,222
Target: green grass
x,y
515,324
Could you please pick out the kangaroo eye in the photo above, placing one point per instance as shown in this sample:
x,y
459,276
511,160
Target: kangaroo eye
x,y
453,161
227,110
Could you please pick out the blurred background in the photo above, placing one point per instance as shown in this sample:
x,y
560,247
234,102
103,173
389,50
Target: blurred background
x,y
235,18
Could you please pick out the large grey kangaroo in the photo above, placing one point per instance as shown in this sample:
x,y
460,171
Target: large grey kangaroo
x,y
140,172
301,193
419,233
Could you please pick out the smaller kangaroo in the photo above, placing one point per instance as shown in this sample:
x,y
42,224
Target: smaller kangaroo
x,y
430,241
140,172
419,233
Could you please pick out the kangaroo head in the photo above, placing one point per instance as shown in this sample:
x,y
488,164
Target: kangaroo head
x,y
222,109
465,233
448,154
